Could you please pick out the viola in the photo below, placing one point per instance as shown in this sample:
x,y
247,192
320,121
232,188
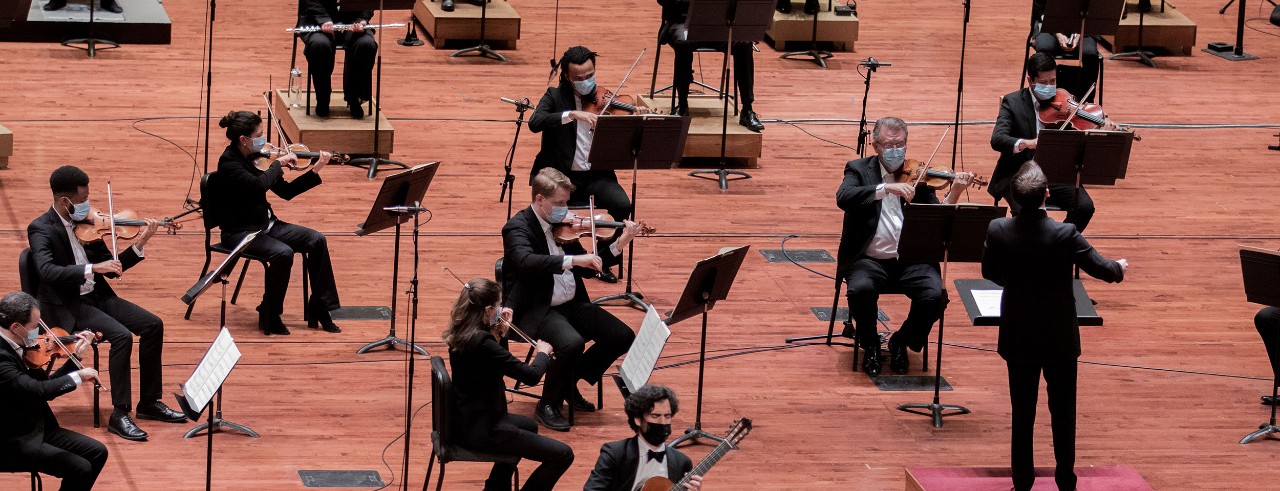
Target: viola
x,y
55,343
97,226
576,227
1082,116
270,153
935,179
606,102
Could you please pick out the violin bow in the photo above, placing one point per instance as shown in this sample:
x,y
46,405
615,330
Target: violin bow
x,y
605,107
1072,114
271,113
555,37
925,170
591,208
111,213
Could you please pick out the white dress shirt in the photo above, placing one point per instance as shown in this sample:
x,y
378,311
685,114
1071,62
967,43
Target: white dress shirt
x,y
583,145
884,244
77,251
647,468
564,288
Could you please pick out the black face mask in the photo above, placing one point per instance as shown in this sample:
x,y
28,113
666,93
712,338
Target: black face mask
x,y
656,434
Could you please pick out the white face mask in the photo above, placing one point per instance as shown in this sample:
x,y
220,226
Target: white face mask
x,y
79,211
584,87
893,157
1045,92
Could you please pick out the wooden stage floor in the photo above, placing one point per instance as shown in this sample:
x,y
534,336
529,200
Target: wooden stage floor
x,y
1168,386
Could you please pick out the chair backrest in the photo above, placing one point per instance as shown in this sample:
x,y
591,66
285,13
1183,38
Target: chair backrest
x,y
27,274
441,401
210,201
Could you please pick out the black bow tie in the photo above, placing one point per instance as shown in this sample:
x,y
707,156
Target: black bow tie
x,y
658,456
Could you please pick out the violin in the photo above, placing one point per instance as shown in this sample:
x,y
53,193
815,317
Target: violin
x,y
576,227
55,343
1063,108
270,153
910,173
606,102
97,226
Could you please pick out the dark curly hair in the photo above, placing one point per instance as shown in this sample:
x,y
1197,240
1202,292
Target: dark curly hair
x,y
16,307
66,180
640,402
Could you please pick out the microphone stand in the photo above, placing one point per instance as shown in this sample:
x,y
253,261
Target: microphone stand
x,y
818,56
955,140
1236,54
208,82
509,180
91,43
871,65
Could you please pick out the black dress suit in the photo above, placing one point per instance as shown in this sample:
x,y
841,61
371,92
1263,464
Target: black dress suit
x,y
674,15
1267,321
528,283
560,143
1018,120
100,310
615,470
866,276
361,50
483,423
29,433
240,193
1031,256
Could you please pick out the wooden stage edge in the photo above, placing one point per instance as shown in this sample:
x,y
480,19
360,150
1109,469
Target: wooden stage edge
x,y
1120,478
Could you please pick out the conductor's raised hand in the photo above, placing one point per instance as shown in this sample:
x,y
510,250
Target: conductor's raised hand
x,y
1124,264
588,261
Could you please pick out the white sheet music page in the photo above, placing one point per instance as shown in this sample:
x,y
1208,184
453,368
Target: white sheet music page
x,y
212,371
643,355
988,302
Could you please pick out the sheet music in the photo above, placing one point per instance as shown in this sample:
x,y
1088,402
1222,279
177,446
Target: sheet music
x,y
212,371
988,302
637,367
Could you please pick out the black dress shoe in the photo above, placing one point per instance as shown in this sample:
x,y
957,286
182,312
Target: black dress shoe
x,y
750,120
784,6
681,110
810,7
446,5
607,276
320,318
54,5
550,418
123,426
159,412
111,6
357,110
271,324
871,361
322,110
579,403
898,357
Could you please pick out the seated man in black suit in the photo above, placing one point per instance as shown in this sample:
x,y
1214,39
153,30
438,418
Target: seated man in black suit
x,y
1015,137
108,5
361,48
242,199
566,139
74,294
674,16
30,437
872,200
1268,324
1032,256
542,283
1061,44
625,464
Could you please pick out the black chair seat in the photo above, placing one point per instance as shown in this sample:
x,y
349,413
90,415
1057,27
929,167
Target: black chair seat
x,y
455,453
222,248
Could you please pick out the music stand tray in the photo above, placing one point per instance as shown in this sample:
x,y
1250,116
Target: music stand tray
x,y
220,273
643,141
978,297
1084,157
1260,269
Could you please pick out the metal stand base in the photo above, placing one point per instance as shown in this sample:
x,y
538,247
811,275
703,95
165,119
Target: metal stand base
x,y
372,163
91,45
1263,430
221,423
818,56
391,342
634,300
1143,57
1231,55
721,175
699,83
483,50
934,410
694,435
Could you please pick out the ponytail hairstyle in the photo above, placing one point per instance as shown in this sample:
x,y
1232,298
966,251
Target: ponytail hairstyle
x,y
467,323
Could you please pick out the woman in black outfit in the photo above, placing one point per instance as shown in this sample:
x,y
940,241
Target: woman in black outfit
x,y
479,363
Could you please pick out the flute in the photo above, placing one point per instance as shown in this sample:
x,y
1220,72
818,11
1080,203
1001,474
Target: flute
x,y
340,27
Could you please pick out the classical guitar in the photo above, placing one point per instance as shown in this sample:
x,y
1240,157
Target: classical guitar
x,y
737,432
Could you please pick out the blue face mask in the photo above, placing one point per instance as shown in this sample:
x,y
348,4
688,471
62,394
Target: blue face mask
x,y
1045,92
558,213
79,211
584,87
31,337
257,143
893,157
497,317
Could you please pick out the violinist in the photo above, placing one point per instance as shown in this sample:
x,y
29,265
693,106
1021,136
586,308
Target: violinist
x,y
477,324
242,199
542,283
1015,134
30,437
75,295
566,138
674,15
872,197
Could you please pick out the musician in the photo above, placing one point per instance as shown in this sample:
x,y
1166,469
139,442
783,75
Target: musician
x,y
626,463
360,47
1015,134
242,198
566,139
74,294
542,282
1268,324
674,16
872,199
1063,44
1031,256
108,5
478,363
30,437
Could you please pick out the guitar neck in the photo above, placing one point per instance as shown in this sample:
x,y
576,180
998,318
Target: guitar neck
x,y
705,465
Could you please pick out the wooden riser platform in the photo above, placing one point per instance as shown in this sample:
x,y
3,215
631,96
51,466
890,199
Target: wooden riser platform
x,y
795,30
502,26
142,22
339,132
1001,479
1170,32
6,147
743,145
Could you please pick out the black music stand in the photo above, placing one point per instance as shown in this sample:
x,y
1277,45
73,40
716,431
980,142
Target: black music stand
x,y
482,49
1140,54
1260,269
643,141
216,364
1083,157
376,104
708,283
815,55
404,190
943,233
91,43
727,20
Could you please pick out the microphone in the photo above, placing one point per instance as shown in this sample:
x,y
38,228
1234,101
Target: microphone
x,y
521,105
873,64
405,209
